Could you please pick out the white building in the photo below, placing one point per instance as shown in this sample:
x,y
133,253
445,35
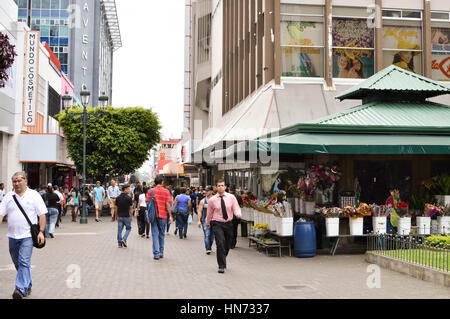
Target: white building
x,y
255,66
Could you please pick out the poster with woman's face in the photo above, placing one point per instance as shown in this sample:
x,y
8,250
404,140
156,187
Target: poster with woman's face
x,y
353,43
403,43
9,85
440,56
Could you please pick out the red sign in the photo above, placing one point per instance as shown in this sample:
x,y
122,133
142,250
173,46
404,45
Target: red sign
x,y
53,57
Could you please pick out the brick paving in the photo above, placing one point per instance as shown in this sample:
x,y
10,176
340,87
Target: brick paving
x,y
108,272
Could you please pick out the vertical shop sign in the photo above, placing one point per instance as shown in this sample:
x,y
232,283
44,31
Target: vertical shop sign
x,y
31,74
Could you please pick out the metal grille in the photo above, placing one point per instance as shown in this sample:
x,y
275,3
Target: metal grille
x,y
410,249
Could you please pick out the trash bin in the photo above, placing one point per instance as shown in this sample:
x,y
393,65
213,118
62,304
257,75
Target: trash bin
x,y
304,239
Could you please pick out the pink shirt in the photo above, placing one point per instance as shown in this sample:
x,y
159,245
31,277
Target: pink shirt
x,y
214,211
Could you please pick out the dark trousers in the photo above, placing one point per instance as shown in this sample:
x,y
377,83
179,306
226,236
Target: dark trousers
x,y
143,227
235,222
223,233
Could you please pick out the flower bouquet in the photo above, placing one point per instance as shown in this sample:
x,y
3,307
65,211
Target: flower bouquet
x,y
433,211
331,212
350,211
381,210
401,209
364,210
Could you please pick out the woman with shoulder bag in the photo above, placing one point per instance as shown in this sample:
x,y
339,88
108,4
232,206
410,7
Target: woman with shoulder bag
x,y
143,226
75,203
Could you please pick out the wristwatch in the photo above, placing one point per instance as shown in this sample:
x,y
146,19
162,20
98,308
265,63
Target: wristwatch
x,y
42,231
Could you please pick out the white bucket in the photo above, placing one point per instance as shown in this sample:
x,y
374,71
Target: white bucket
x,y
434,226
443,224
272,223
379,225
404,225
332,225
309,207
297,205
302,207
356,226
443,199
285,227
424,225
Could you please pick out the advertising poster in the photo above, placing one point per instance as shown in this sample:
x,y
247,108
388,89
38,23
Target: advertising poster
x,y
306,61
403,41
440,58
349,61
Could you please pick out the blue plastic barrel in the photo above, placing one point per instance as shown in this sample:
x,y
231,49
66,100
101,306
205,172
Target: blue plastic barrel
x,y
304,239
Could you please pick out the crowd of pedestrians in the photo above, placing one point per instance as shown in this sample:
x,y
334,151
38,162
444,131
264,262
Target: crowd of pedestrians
x,y
217,209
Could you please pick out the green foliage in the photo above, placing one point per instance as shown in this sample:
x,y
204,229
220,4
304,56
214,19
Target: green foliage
x,y
418,200
439,241
116,144
441,185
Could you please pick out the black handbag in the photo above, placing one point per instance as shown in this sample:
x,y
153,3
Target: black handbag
x,y
34,228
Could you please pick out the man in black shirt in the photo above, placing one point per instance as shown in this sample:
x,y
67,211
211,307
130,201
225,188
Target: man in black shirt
x,y
124,205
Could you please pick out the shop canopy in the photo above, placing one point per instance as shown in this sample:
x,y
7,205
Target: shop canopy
x,y
395,119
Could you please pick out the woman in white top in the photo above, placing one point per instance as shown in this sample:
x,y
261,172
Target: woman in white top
x,y
143,227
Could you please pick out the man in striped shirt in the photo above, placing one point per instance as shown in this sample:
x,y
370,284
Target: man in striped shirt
x,y
222,208
163,201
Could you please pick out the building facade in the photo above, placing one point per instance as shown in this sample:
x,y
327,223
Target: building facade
x,y
274,63
83,34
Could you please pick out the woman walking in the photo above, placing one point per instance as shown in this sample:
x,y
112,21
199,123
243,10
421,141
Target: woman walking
x,y
76,203
176,192
143,227
202,212
51,201
183,204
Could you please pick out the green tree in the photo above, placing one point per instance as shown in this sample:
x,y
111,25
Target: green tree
x,y
116,144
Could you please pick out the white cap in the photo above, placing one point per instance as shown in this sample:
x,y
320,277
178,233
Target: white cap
x,y
49,184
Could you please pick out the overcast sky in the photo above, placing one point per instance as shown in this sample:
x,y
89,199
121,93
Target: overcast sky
x,y
149,67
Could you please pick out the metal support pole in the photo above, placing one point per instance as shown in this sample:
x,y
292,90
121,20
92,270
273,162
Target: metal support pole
x,y
83,219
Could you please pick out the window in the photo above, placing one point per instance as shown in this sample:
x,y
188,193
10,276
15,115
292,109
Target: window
x,y
36,4
402,41
302,41
353,44
440,16
53,102
440,53
45,4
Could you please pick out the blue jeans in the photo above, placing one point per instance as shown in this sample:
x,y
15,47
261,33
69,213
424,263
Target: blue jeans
x,y
158,235
389,226
182,224
209,236
20,251
123,222
168,225
52,218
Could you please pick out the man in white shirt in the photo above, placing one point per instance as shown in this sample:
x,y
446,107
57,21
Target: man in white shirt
x,y
2,191
19,234
113,193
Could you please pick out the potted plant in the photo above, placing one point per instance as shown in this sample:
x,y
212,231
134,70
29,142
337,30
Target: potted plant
x,y
379,214
404,220
441,189
331,215
443,220
355,220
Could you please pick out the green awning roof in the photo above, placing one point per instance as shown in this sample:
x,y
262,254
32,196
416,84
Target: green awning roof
x,y
313,143
395,80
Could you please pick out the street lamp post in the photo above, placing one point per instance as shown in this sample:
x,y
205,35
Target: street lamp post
x,y
85,95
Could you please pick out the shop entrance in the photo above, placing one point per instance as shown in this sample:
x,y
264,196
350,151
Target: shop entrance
x,y
377,177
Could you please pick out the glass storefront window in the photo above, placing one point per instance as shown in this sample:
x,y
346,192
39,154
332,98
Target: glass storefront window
x,y
353,48
302,41
440,54
36,4
402,45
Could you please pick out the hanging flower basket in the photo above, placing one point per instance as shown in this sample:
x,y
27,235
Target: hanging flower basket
x,y
7,55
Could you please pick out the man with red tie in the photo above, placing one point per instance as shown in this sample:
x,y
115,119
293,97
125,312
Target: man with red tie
x,y
221,209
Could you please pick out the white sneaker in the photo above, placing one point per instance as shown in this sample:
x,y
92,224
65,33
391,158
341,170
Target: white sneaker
x,y
208,252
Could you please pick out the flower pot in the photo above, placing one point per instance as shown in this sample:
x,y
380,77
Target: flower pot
x,y
379,225
356,226
434,226
424,225
404,225
443,224
443,199
332,225
272,223
285,226
309,207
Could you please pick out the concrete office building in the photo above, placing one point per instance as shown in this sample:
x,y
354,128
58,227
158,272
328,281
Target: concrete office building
x,y
254,66
83,34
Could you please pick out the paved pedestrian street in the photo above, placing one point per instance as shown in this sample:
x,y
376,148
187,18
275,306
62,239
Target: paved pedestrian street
x,y
83,261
